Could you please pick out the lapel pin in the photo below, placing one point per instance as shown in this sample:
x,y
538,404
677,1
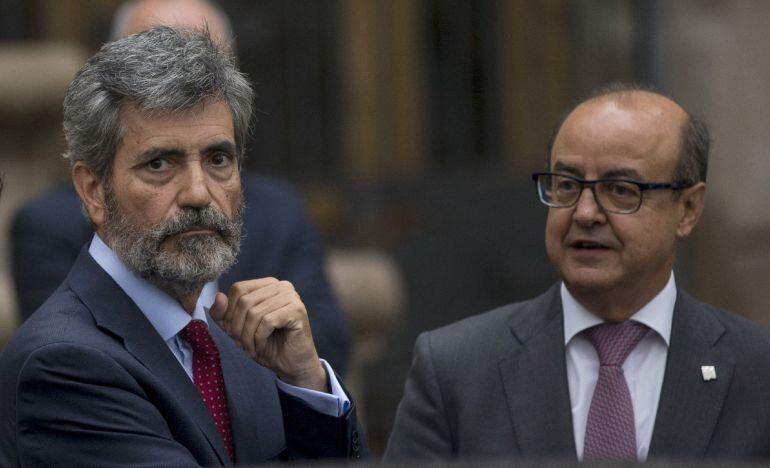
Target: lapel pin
x,y
709,373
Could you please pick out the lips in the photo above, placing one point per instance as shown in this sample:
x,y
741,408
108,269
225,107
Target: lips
x,y
589,245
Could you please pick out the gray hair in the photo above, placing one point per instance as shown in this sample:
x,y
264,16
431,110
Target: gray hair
x,y
158,70
695,142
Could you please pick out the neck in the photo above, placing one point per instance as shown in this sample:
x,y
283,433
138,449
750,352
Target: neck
x,y
616,305
186,299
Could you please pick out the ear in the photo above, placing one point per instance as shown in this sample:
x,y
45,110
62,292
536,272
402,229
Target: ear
x,y
91,192
692,203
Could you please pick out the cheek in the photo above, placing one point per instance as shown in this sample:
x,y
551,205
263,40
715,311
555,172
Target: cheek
x,y
151,207
557,224
232,197
556,227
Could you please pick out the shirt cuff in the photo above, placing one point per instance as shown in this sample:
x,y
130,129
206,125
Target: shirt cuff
x,y
334,404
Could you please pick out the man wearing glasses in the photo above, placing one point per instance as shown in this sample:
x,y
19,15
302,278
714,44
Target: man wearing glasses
x,y
615,361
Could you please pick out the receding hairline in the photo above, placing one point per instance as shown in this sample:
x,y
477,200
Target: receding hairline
x,y
626,97
633,99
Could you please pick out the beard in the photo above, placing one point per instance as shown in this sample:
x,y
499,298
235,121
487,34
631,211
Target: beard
x,y
182,264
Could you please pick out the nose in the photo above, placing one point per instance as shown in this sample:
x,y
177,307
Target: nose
x,y
587,210
195,191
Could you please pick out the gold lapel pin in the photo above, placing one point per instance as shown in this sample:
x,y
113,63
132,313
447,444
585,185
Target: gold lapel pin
x,y
709,373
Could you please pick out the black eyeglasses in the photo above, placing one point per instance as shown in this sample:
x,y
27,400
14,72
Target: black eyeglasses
x,y
612,195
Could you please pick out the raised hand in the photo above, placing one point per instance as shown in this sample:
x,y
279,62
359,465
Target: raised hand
x,y
268,320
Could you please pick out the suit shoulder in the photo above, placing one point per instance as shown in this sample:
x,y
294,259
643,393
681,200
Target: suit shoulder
x,y
62,318
745,330
51,213
262,189
489,330
745,338
62,197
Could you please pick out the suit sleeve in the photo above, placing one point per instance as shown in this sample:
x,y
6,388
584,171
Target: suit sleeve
x,y
77,407
311,434
421,429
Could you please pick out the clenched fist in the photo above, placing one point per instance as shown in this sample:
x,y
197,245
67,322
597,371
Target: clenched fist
x,y
268,320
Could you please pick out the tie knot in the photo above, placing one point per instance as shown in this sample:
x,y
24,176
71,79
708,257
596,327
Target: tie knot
x,y
196,333
614,341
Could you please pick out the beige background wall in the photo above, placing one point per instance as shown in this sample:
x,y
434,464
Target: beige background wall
x,y
714,57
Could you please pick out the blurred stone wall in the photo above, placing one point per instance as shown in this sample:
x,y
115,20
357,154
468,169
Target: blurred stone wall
x,y
33,79
713,57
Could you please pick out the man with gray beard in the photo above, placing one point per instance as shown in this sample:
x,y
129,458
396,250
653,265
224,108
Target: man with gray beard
x,y
137,359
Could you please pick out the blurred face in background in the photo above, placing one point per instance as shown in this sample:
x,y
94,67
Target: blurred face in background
x,y
144,14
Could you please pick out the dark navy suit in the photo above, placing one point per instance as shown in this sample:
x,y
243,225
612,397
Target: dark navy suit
x,y
87,381
280,241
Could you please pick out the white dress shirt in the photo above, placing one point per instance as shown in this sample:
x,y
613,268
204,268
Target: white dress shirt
x,y
169,318
643,369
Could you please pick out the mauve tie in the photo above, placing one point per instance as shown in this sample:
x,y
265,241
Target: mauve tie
x,y
610,429
207,375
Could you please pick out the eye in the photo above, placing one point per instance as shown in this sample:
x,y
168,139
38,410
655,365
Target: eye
x,y
221,159
566,185
622,189
157,164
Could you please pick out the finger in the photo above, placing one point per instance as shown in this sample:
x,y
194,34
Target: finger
x,y
289,318
248,300
242,296
258,312
219,308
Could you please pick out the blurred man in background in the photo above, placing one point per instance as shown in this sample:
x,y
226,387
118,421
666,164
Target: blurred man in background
x,y
615,361
281,241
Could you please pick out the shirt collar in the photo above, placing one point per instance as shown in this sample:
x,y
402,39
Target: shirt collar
x,y
165,314
656,314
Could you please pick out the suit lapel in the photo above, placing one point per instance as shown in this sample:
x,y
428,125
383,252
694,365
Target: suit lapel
x,y
689,406
257,433
114,311
534,377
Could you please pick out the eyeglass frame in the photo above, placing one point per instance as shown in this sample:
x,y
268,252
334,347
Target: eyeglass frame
x,y
643,186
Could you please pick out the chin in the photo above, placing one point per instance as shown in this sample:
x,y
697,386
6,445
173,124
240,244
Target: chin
x,y
588,281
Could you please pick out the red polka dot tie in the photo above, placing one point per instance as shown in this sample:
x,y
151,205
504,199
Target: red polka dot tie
x,y
207,374
610,428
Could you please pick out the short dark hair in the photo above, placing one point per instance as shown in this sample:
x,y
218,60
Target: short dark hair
x,y
694,145
161,69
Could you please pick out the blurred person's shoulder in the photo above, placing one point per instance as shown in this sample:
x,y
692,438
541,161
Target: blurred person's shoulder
x,y
57,210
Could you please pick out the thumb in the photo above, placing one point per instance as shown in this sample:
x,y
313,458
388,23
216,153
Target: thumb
x,y
219,309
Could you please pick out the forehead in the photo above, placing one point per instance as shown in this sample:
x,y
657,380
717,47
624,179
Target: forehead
x,y
189,127
639,133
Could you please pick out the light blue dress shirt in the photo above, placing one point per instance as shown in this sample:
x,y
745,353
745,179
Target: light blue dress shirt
x,y
169,318
643,369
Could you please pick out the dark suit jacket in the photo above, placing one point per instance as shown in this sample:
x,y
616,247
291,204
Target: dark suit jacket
x,y
496,385
87,381
280,241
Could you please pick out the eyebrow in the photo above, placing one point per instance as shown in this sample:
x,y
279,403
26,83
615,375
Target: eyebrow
x,y
630,174
156,152
225,146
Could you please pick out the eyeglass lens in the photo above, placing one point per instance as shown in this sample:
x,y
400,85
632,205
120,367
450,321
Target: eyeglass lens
x,y
612,195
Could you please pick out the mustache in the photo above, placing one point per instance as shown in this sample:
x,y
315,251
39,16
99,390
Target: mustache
x,y
208,218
